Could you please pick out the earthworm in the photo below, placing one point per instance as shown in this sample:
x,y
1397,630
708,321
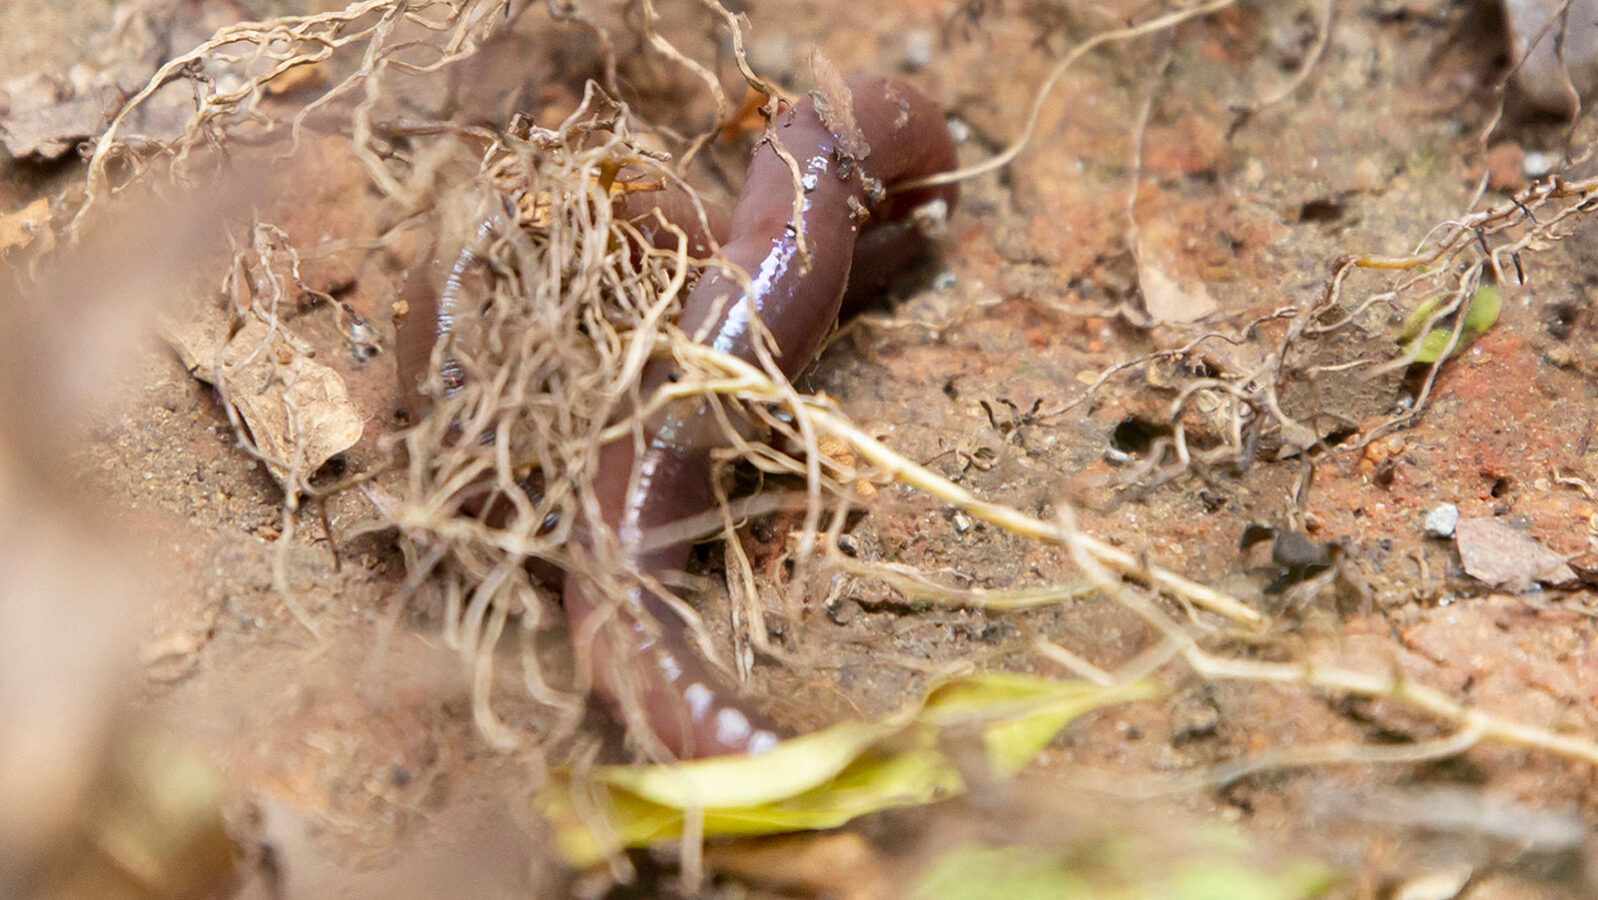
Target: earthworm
x,y
850,155
854,142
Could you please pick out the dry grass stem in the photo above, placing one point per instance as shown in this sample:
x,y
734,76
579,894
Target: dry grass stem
x,y
1118,574
994,163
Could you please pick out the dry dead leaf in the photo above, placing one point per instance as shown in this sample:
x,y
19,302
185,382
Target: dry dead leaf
x,y
298,411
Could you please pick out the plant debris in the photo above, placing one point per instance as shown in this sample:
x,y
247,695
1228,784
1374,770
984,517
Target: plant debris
x,y
1439,340
20,229
298,410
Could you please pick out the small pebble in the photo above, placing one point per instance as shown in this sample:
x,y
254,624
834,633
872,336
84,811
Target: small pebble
x,y
1536,163
918,47
772,54
1440,521
962,522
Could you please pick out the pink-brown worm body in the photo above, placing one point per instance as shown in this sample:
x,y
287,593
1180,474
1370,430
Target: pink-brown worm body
x,y
666,477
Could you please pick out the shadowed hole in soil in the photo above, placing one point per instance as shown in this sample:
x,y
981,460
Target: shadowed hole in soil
x,y
1562,319
1323,211
1134,436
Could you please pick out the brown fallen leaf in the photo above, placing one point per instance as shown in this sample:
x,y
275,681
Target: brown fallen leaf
x,y
298,411
1505,557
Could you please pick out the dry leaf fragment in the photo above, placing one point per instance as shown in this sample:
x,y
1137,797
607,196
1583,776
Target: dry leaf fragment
x,y
298,410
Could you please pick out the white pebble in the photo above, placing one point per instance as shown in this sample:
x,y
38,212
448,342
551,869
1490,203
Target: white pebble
x,y
1538,163
918,47
1440,521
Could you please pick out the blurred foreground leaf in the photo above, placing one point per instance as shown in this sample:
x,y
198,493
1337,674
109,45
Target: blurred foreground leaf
x,y
1208,870
153,828
821,780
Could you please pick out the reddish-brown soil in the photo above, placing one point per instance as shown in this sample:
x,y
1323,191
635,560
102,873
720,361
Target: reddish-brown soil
x,y
358,752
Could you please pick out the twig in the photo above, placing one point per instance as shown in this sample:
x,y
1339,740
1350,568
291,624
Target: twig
x,y
1160,23
900,468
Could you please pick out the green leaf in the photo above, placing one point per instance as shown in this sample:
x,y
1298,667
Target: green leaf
x,y
1417,319
1438,343
824,779
1483,311
1023,713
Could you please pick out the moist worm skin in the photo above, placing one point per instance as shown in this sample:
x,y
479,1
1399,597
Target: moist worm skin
x,y
430,316
667,477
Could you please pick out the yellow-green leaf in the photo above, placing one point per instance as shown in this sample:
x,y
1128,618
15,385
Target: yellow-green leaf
x,y
1417,319
792,767
1023,713
820,780
1483,311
